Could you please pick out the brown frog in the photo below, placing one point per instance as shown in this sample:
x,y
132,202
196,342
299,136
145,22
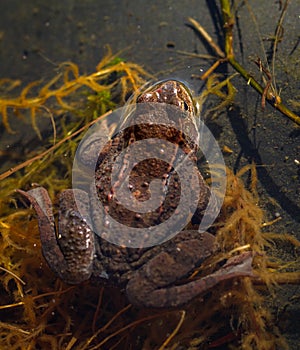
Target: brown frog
x,y
152,275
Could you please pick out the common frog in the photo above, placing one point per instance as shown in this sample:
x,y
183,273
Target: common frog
x,y
151,276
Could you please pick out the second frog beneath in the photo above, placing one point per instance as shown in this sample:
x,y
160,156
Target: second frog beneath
x,y
155,276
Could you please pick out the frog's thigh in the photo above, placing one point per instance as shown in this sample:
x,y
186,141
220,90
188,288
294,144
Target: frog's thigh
x,y
151,285
70,252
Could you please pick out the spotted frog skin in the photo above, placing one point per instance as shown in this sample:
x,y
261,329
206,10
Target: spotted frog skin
x,y
153,276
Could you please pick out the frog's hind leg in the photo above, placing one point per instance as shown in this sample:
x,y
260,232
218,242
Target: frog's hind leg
x,y
154,284
70,253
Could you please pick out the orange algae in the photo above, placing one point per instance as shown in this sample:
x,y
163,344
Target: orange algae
x,y
38,311
66,83
29,293
45,313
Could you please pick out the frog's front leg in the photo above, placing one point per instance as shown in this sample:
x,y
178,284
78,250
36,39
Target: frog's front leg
x,y
154,284
69,253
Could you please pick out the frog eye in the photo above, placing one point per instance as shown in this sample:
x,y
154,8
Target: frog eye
x,y
185,106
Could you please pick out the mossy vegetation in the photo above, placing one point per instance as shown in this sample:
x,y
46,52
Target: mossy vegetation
x,y
38,311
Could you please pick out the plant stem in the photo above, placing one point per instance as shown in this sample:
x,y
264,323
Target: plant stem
x,y
274,100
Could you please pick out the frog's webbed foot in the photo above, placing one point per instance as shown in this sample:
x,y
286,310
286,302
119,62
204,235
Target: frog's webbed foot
x,y
154,285
70,252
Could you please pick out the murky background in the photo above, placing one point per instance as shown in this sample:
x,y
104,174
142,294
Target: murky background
x,y
35,36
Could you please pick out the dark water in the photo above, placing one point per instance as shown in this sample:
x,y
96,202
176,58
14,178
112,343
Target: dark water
x,y
36,35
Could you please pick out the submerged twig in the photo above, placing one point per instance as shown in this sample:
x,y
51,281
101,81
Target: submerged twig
x,y
13,274
43,154
175,331
278,37
273,99
207,37
263,69
228,22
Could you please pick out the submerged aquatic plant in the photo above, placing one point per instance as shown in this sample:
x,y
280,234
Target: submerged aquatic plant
x,y
52,315
268,90
68,82
27,290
